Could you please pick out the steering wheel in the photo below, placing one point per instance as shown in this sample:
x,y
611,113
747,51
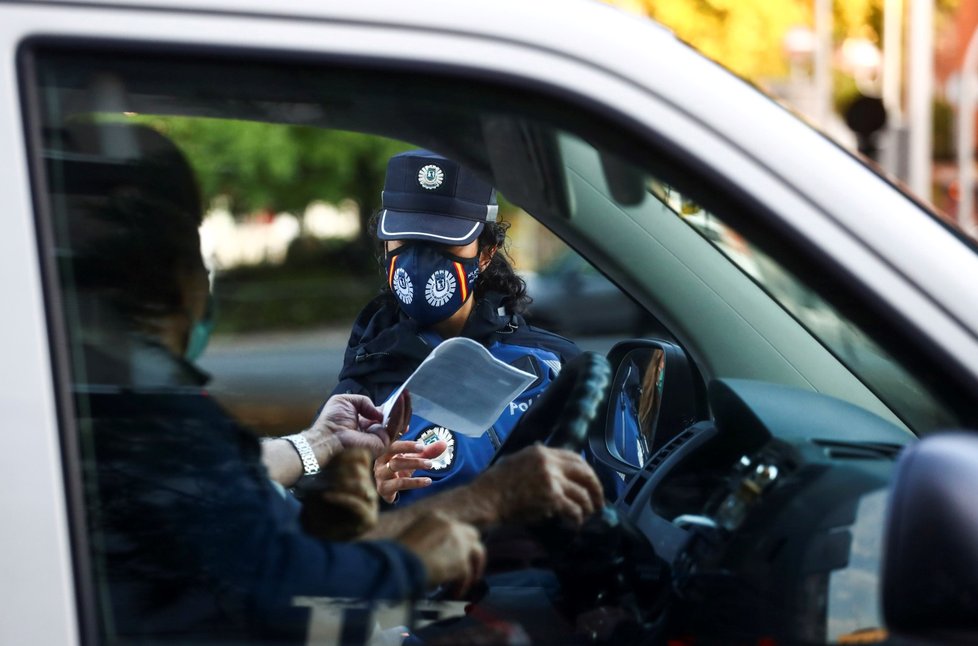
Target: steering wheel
x,y
561,416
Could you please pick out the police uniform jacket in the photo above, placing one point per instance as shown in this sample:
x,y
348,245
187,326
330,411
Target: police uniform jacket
x,y
386,346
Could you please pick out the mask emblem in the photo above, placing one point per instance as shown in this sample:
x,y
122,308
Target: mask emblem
x,y
403,288
440,288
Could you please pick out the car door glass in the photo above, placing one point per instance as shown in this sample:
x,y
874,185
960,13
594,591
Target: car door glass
x,y
210,250
571,297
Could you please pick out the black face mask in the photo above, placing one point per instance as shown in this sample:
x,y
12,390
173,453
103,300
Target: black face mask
x,y
429,284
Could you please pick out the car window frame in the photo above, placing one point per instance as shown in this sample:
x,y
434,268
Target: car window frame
x,y
621,125
619,128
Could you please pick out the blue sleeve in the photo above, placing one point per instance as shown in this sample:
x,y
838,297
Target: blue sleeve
x,y
194,538
277,561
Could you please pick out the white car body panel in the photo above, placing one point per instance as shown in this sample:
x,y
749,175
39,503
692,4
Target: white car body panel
x,y
636,70
37,593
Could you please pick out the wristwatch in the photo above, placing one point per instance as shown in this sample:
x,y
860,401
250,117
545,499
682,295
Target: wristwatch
x,y
310,465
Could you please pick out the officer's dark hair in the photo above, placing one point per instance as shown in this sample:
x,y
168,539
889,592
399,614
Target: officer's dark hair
x,y
498,276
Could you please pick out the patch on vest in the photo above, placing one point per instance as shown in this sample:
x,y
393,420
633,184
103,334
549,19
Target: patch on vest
x,y
432,435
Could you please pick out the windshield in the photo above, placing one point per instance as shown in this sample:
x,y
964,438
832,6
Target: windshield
x,y
904,393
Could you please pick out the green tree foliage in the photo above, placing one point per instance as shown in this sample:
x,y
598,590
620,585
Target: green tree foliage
x,y
262,166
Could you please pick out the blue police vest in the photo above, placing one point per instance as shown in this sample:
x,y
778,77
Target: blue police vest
x,y
385,347
466,457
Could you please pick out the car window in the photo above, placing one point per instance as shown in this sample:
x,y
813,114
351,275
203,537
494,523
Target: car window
x,y
907,394
259,244
571,297
212,250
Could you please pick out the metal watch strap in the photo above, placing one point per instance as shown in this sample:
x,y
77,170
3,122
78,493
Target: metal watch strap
x,y
310,465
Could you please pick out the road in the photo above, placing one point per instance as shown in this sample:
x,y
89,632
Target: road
x,y
275,382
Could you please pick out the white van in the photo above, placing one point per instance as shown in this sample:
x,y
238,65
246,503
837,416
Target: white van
x,y
754,506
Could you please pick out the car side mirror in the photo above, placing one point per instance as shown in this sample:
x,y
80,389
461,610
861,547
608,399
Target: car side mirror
x,y
930,567
655,394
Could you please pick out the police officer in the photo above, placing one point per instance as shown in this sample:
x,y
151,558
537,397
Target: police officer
x,y
448,275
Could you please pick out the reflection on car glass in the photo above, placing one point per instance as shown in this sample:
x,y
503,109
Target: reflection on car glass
x,y
905,393
854,600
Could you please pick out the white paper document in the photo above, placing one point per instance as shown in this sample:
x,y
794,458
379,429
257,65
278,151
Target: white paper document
x,y
462,387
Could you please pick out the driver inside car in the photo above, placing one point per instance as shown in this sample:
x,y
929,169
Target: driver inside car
x,y
192,541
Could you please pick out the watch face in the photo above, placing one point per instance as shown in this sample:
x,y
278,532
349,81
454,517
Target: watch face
x,y
432,435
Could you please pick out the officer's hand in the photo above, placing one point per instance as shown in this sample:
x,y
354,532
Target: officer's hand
x,y
394,469
451,551
539,482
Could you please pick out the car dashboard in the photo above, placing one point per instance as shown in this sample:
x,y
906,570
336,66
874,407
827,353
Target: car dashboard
x,y
756,516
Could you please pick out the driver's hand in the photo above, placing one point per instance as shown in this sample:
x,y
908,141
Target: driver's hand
x,y
394,469
353,421
340,503
450,550
539,482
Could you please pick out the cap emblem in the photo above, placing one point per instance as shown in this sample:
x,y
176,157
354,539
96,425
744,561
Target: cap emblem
x,y
430,177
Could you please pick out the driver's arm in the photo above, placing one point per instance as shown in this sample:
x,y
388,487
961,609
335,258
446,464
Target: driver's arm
x,y
345,421
532,484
